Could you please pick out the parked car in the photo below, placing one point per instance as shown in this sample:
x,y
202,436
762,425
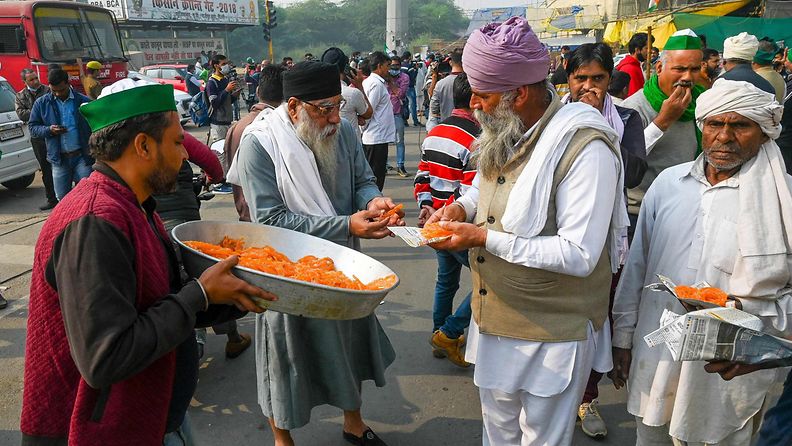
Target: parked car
x,y
181,98
173,74
18,163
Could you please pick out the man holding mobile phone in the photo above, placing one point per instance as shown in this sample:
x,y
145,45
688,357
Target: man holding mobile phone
x,y
222,92
56,119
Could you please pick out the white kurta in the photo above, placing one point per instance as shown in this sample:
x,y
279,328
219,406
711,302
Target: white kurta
x,y
687,230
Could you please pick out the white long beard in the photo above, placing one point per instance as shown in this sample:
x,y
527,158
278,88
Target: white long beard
x,y
500,131
321,143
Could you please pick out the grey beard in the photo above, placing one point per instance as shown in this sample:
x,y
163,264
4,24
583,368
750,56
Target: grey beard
x,y
500,131
322,145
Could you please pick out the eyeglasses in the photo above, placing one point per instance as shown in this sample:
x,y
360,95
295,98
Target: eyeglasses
x,y
327,108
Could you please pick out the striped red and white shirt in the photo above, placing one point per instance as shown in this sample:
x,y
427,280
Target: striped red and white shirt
x,y
445,171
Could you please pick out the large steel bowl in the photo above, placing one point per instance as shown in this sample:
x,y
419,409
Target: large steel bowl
x,y
294,296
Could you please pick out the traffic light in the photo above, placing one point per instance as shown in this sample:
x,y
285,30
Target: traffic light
x,y
273,20
266,29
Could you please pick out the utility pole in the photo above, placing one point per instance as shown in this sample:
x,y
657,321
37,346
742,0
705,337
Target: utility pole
x,y
396,26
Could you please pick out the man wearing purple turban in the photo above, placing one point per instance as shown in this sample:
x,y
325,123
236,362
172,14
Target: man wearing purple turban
x,y
546,225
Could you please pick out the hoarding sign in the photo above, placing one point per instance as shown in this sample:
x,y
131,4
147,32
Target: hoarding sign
x,y
222,12
173,50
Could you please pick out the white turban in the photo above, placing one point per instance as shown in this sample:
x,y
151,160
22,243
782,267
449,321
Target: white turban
x,y
744,98
742,46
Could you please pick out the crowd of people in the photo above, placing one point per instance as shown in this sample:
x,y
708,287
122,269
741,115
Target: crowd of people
x,y
566,191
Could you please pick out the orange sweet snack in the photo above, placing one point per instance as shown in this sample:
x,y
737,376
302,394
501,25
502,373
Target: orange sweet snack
x,y
708,294
434,230
392,211
307,269
713,295
686,292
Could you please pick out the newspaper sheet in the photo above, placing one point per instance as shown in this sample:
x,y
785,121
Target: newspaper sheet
x,y
718,334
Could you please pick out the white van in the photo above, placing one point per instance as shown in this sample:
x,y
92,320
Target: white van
x,y
18,163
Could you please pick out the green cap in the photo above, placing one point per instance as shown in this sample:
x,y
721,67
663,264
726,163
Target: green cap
x,y
766,57
684,39
126,99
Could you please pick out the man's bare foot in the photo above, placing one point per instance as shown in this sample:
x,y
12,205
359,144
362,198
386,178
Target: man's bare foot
x,y
353,423
282,436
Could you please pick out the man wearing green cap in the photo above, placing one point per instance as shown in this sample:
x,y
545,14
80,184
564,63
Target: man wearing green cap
x,y
667,106
111,357
763,65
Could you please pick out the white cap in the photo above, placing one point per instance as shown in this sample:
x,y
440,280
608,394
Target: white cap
x,y
742,46
124,84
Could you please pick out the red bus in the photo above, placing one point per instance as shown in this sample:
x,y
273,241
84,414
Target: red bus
x,y
34,34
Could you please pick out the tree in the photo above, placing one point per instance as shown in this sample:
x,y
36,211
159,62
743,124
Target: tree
x,y
315,25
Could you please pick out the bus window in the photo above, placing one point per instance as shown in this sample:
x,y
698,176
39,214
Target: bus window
x,y
8,40
67,33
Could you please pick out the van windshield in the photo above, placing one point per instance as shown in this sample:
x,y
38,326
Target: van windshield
x,y
6,97
65,34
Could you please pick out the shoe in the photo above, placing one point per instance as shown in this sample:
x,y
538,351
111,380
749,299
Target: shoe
x,y
369,438
388,167
223,189
440,354
234,349
590,420
402,173
451,348
48,205
3,302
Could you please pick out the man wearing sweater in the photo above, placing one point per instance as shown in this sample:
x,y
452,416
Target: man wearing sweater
x,y
631,64
667,105
445,173
110,353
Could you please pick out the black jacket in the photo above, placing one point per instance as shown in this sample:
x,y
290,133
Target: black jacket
x,y
633,147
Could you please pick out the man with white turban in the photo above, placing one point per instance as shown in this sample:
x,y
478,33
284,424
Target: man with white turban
x,y
550,229
738,52
723,218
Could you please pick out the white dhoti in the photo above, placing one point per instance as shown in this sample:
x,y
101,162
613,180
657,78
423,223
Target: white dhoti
x,y
658,435
530,391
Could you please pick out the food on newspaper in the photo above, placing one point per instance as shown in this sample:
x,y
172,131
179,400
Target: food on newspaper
x,y
307,269
415,237
700,295
392,211
706,294
434,230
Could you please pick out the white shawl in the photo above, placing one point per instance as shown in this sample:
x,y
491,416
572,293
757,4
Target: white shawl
x,y
537,179
764,224
296,171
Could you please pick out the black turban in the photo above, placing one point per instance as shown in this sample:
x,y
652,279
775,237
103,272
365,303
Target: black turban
x,y
336,57
311,80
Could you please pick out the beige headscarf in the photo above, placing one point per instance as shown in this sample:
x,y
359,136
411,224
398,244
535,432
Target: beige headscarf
x,y
764,225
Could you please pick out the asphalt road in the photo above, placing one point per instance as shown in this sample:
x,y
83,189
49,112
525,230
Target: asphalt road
x,y
426,402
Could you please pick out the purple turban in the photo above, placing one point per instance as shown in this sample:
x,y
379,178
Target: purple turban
x,y
503,56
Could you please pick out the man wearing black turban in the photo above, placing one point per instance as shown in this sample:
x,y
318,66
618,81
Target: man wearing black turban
x,y
302,168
